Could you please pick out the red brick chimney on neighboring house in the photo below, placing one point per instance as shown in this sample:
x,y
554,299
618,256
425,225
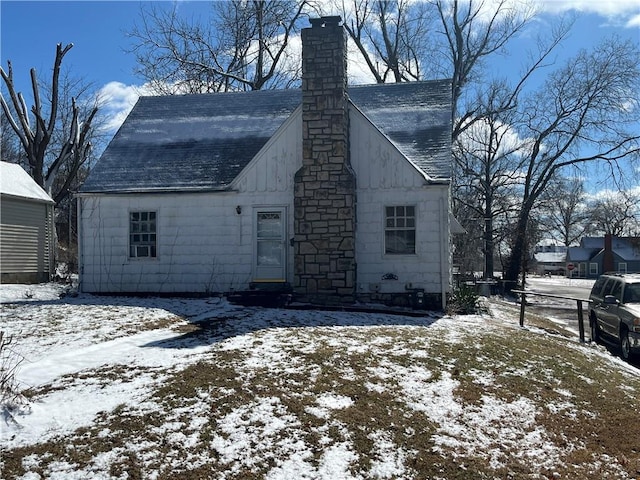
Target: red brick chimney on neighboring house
x,y
324,198
607,257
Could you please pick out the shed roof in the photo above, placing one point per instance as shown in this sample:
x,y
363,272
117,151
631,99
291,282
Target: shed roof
x,y
203,141
15,182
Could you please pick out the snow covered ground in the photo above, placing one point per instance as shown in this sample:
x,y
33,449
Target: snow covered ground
x,y
90,360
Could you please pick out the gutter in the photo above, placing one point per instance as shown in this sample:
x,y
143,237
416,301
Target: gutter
x,y
80,242
444,271
103,193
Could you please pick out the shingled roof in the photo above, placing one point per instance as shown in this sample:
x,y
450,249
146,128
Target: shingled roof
x,y
202,142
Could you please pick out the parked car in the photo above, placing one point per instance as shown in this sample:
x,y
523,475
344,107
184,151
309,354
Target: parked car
x,y
614,311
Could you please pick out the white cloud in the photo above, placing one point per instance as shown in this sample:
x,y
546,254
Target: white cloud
x,y
357,69
634,21
623,12
614,195
477,137
117,100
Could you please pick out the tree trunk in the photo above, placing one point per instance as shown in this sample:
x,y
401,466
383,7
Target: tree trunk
x,y
488,247
518,249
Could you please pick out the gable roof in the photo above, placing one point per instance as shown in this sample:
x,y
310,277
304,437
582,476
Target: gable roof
x,y
627,248
581,254
203,141
15,182
592,242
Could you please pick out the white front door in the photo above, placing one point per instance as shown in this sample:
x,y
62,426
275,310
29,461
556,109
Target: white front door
x,y
270,249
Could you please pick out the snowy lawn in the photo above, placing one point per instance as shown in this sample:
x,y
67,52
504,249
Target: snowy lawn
x,y
157,388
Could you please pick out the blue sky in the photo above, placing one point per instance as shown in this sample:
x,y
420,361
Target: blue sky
x,y
30,31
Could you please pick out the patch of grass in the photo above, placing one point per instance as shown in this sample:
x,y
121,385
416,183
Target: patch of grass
x,y
102,376
334,386
580,402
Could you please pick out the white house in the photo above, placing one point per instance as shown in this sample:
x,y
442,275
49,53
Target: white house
x,y
26,228
344,194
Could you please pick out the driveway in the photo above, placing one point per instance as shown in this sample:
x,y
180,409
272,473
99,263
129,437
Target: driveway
x,y
562,311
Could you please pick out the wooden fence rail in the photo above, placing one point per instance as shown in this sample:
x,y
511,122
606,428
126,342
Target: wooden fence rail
x,y
523,302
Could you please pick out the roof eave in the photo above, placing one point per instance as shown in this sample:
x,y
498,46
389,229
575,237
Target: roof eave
x,y
159,190
30,199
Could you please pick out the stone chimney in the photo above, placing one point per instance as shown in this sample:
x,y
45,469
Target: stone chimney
x,y
324,198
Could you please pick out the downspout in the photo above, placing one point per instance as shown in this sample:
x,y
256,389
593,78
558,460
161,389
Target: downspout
x,y
80,252
52,241
444,270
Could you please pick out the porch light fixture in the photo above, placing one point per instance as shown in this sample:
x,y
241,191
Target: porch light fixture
x,y
238,209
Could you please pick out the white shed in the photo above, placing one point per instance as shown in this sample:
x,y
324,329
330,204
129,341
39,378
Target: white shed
x,y
342,193
26,228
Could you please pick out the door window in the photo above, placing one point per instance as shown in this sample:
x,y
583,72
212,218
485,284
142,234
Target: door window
x,y
269,237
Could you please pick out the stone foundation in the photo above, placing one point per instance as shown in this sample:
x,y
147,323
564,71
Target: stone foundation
x,y
432,301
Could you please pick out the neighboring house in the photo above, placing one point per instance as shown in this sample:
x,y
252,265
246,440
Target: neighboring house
x,y
550,258
26,228
344,195
597,255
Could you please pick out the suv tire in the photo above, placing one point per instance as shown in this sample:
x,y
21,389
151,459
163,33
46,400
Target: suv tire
x,y
595,331
625,346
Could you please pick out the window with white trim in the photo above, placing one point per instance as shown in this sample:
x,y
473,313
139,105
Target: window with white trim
x,y
400,230
593,268
142,235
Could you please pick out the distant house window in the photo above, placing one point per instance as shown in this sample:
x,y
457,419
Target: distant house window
x,y
593,269
622,267
142,235
400,230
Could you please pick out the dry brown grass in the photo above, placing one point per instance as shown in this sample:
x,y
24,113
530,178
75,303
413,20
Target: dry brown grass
x,y
586,407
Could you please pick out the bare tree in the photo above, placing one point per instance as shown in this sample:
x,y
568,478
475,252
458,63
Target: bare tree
x,y
589,105
473,31
393,36
617,213
36,136
244,45
10,148
488,158
563,210
488,153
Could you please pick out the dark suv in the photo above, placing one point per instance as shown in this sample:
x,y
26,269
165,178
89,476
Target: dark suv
x,y
614,311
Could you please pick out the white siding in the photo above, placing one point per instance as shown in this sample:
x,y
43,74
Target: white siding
x,y
386,178
275,165
204,245
199,242
25,239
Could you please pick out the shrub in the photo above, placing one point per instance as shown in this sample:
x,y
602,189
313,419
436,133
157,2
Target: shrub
x,y
464,301
11,400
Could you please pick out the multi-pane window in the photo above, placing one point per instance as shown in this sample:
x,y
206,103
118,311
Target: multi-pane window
x,y
142,234
400,230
